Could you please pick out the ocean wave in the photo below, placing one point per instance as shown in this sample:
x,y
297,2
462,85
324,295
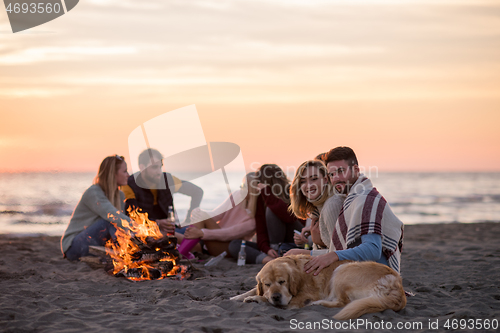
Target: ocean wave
x,y
27,222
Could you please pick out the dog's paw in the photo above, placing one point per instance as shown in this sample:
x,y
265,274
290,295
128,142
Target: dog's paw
x,y
241,297
256,299
237,298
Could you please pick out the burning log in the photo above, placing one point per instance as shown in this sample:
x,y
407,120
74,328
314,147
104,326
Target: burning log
x,y
99,251
139,274
148,257
166,243
141,252
147,273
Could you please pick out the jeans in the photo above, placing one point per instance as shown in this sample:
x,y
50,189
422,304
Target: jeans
x,y
181,230
96,234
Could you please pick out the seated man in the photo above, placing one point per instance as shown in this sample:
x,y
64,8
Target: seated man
x,y
365,229
151,191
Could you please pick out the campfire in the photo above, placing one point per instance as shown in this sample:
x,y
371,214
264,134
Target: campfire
x,y
141,252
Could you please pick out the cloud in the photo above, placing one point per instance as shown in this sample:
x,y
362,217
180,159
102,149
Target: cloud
x,y
73,53
206,49
34,92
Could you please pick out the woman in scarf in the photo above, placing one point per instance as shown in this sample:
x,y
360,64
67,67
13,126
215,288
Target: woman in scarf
x,y
309,194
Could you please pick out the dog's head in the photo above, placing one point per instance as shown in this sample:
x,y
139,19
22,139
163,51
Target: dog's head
x,y
280,279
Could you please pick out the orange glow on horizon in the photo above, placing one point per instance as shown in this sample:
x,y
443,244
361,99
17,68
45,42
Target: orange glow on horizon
x,y
283,80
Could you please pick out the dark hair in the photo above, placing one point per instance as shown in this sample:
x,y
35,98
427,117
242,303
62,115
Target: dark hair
x,y
339,154
275,177
320,157
150,155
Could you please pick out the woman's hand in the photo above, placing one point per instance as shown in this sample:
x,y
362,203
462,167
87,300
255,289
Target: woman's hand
x,y
299,239
166,226
193,232
272,253
297,251
316,264
302,238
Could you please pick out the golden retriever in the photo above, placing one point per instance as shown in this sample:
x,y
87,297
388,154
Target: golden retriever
x,y
362,287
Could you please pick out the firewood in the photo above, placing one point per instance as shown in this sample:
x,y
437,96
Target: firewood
x,y
100,251
94,262
138,273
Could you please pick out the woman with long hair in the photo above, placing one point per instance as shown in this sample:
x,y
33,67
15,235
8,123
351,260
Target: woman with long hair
x,y
98,211
309,192
275,224
226,223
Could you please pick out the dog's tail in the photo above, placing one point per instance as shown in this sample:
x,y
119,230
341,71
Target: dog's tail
x,y
388,293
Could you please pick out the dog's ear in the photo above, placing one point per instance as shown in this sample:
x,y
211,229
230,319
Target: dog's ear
x,y
295,282
260,289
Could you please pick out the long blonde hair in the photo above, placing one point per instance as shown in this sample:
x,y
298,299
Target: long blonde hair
x,y
274,176
300,206
106,178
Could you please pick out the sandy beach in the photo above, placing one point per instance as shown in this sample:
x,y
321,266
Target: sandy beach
x,y
453,269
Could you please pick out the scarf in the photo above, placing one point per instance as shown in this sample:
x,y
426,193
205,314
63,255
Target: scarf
x,y
366,211
315,214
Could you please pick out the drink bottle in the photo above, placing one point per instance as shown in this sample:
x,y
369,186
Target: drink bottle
x,y
171,215
242,256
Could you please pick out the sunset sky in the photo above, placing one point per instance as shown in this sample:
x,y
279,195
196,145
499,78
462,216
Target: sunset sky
x,y
409,85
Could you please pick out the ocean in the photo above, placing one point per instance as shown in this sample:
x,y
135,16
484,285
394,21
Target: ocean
x,y
42,203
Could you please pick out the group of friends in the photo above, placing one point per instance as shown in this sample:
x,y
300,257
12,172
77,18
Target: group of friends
x,y
329,210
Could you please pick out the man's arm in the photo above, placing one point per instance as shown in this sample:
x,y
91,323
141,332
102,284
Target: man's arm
x,y
370,249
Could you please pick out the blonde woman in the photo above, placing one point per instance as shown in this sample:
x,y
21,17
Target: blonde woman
x,y
226,223
309,192
101,204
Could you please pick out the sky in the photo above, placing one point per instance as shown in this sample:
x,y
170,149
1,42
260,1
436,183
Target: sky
x,y
409,85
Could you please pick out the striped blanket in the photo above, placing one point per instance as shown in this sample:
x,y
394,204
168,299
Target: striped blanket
x,y
366,211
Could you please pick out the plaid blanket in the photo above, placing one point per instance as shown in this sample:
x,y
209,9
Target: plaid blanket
x,y
366,211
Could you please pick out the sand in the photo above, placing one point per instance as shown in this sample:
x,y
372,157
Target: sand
x,y
453,269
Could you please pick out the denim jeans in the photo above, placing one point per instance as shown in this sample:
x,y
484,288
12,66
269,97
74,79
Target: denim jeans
x,y
96,234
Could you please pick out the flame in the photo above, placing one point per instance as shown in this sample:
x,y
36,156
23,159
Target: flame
x,y
122,250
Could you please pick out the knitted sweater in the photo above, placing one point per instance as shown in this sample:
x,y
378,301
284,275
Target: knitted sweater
x,y
93,205
329,212
366,211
